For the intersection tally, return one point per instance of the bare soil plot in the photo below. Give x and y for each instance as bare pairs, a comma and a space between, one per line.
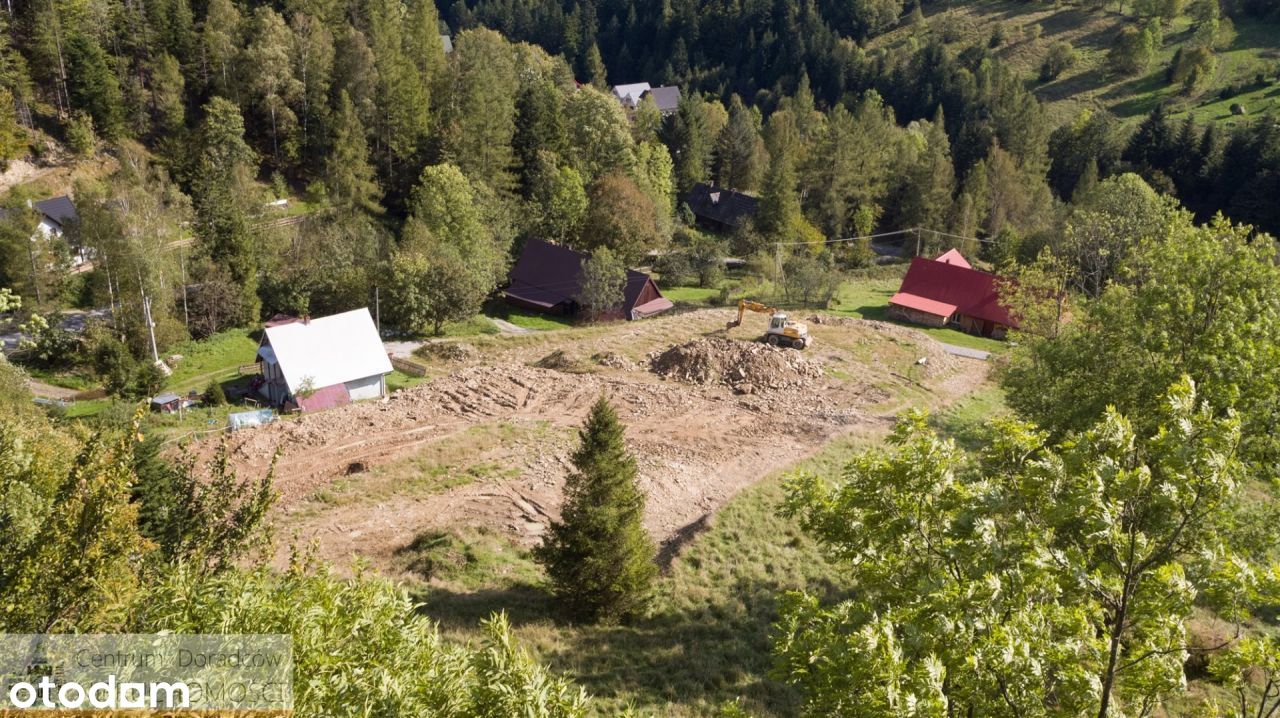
487, 443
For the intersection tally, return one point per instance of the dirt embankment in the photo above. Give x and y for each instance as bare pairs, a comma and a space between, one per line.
705, 416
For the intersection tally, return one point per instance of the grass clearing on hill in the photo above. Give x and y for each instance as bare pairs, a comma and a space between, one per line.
1088, 84
216, 357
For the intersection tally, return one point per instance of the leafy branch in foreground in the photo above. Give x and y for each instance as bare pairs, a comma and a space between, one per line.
1034, 580
203, 515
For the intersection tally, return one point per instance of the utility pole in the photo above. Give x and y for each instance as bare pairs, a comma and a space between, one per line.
151, 326
917, 241
377, 310
777, 266
35, 277
182, 262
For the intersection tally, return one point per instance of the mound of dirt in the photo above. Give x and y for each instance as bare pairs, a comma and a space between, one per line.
613, 360
446, 351
747, 366
560, 360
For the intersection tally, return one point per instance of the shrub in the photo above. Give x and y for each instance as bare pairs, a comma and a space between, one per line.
674, 267
1132, 51
998, 36
79, 134
47, 345
361, 645
214, 394
1060, 58
809, 279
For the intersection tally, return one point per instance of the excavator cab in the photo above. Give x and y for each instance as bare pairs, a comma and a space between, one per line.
781, 332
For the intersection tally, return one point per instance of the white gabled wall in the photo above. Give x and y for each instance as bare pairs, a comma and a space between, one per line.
369, 387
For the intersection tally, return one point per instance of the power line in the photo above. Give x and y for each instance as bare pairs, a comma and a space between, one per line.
847, 239
913, 230
917, 231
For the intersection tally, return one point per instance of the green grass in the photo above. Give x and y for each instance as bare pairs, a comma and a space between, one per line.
1088, 85
80, 380
195, 419
965, 420
691, 296
468, 558
525, 318
869, 299
216, 357
705, 642
398, 380
475, 326
86, 409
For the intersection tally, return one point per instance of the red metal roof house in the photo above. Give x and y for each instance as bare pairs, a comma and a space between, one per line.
947, 290
545, 279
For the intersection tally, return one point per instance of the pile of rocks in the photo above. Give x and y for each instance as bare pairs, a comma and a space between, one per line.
560, 360
745, 366
614, 360
446, 351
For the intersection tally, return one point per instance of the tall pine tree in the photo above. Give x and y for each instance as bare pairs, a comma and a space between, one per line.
598, 556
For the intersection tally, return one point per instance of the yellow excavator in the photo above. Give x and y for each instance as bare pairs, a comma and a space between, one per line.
781, 331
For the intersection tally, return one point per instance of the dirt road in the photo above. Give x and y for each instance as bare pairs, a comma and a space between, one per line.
487, 444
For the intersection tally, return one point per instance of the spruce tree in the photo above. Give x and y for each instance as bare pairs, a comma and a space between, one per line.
598, 556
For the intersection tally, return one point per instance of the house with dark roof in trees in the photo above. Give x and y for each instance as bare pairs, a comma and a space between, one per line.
53, 217
667, 98
546, 279
947, 291
719, 208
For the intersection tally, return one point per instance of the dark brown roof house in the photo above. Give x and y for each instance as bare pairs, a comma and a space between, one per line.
545, 279
720, 208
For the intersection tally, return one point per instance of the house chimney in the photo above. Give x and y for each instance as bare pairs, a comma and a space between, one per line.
715, 198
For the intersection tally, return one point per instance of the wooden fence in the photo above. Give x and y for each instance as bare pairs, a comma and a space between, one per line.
408, 367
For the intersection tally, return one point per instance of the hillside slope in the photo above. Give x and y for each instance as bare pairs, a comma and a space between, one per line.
1254, 50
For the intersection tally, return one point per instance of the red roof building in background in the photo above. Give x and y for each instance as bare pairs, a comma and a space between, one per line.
953, 256
948, 291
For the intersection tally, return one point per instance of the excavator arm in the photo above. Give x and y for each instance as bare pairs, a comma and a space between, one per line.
746, 304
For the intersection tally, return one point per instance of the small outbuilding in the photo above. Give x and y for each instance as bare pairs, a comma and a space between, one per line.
166, 403
947, 291
718, 208
546, 279
314, 364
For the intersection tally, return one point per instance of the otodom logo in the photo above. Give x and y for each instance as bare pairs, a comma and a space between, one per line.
165, 674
